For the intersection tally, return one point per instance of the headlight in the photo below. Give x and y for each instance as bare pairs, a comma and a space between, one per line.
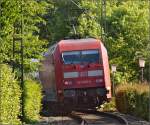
68, 82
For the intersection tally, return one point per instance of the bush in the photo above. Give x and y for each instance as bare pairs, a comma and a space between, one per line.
10, 94
32, 101
133, 99
108, 106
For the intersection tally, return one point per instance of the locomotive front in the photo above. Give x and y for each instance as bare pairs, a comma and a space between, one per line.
82, 72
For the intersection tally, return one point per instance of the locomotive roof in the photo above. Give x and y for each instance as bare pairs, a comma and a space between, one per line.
76, 44
87, 40
73, 43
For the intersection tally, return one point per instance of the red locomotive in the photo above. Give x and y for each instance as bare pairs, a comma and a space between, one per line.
75, 72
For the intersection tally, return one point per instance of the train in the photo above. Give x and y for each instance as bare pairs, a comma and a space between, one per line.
75, 73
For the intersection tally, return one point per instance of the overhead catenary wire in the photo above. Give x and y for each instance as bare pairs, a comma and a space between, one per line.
103, 17
81, 9
74, 29
73, 25
76, 4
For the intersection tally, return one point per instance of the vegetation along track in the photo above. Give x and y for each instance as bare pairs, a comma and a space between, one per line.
93, 117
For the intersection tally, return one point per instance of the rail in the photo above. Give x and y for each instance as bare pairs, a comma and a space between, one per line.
75, 115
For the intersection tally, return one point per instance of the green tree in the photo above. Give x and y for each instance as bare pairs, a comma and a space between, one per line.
126, 32
128, 36
60, 17
89, 21
33, 45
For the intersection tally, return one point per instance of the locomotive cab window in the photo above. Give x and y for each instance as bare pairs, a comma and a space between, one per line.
84, 56
72, 57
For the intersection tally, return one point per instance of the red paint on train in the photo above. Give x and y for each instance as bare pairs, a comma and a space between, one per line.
81, 70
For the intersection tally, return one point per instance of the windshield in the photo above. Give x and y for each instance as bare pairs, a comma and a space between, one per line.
76, 57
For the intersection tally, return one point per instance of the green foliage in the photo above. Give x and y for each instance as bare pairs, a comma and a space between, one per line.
108, 106
32, 101
89, 21
60, 14
33, 45
63, 14
126, 33
128, 36
10, 94
132, 100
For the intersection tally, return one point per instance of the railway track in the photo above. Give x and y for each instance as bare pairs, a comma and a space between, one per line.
93, 117
85, 117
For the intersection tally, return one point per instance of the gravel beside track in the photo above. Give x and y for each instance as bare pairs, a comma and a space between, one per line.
58, 120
